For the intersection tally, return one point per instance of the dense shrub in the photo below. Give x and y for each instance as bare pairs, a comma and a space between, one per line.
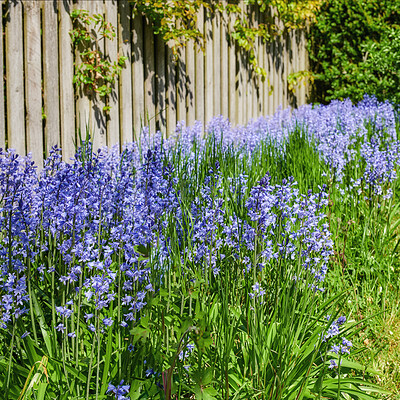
355, 49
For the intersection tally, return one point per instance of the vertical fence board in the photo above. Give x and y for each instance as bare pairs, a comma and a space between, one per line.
97, 103
2, 109
302, 57
274, 77
83, 106
50, 76
280, 57
199, 71
239, 87
287, 49
33, 77
252, 101
268, 98
181, 91
208, 70
284, 71
231, 75
224, 65
160, 85
261, 48
111, 51
15, 79
190, 84
137, 74
149, 78
66, 69
171, 91
216, 27
125, 81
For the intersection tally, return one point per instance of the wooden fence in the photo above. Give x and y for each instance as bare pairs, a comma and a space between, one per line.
40, 107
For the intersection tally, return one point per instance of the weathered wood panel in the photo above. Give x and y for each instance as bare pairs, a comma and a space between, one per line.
181, 91
161, 82
66, 68
199, 71
111, 51
33, 76
2, 105
154, 86
83, 106
224, 65
149, 79
15, 79
125, 81
51, 93
231, 74
190, 85
138, 74
171, 99
98, 117
216, 70
208, 69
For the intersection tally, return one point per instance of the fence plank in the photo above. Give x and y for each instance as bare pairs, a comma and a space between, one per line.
190, 84
208, 69
83, 107
67, 112
257, 80
216, 27
181, 86
160, 85
138, 74
97, 103
302, 56
149, 78
171, 91
199, 71
224, 64
50, 76
111, 51
125, 81
268, 97
15, 79
232, 75
286, 70
33, 76
239, 86
2, 109
261, 46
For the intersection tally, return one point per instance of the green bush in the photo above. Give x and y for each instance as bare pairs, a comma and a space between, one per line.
354, 48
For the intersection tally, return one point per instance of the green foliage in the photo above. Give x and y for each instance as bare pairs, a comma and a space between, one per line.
95, 72
175, 21
354, 47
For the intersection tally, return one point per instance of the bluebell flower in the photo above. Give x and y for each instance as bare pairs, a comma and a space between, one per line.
119, 391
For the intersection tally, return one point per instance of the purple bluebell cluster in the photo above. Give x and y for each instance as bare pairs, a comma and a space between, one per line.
91, 233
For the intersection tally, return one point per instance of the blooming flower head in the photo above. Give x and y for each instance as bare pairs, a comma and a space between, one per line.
119, 391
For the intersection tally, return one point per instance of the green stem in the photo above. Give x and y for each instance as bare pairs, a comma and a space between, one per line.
10, 361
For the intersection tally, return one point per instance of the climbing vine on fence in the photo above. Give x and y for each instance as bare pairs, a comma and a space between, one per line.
95, 72
176, 20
